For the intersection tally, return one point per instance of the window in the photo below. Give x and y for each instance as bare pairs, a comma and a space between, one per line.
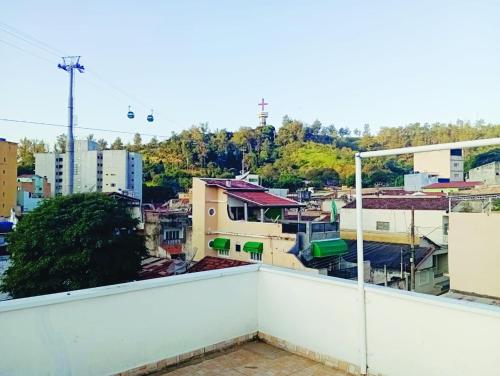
237, 247
211, 212
383, 226
256, 256
223, 252
113, 184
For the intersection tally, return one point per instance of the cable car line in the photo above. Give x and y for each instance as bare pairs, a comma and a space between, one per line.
79, 127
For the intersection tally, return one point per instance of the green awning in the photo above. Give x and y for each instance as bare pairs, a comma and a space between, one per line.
333, 247
220, 244
253, 247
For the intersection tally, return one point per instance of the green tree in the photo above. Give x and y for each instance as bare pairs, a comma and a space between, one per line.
117, 144
61, 142
73, 242
26, 150
102, 144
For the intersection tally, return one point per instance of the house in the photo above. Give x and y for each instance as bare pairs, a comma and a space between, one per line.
488, 174
168, 229
243, 221
451, 187
8, 173
415, 182
445, 164
389, 219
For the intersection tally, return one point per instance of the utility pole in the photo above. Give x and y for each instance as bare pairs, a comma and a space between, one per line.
412, 247
70, 63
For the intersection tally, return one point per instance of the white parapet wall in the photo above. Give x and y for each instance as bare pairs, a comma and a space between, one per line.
108, 330
117, 328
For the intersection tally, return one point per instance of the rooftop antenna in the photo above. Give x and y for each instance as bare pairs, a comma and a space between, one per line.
70, 63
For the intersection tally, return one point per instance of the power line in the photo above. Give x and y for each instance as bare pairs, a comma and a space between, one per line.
85, 128
26, 51
22, 35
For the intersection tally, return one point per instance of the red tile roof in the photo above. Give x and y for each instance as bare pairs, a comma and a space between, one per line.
173, 249
154, 267
403, 203
234, 184
264, 199
454, 184
213, 263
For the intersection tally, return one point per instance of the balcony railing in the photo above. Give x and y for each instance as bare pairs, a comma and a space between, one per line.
144, 326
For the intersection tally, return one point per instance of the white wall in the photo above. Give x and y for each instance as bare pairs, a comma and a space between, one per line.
111, 329
428, 223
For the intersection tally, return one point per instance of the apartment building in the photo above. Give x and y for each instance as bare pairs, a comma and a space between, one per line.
8, 174
445, 164
94, 170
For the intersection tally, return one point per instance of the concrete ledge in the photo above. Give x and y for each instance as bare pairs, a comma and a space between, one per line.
175, 361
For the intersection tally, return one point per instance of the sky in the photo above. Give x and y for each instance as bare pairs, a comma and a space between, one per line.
348, 63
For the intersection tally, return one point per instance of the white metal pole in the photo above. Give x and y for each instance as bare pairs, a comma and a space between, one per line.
360, 265
435, 147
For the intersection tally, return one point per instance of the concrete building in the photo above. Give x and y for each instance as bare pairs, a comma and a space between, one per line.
95, 170
474, 247
451, 187
415, 182
168, 230
389, 219
445, 164
488, 174
31, 191
240, 220
8, 174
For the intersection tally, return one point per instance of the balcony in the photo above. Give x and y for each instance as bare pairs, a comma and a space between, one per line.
205, 320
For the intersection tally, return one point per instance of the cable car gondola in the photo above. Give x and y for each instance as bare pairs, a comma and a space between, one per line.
130, 113
150, 117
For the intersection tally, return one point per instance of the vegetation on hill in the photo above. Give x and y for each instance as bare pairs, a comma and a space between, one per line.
291, 155
70, 243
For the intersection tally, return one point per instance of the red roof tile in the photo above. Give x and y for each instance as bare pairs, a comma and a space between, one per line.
264, 199
214, 263
402, 203
454, 184
154, 267
234, 184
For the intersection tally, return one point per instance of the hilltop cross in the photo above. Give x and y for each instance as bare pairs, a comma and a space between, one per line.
262, 104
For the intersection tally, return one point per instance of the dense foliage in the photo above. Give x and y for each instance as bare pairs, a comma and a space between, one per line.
73, 242
293, 155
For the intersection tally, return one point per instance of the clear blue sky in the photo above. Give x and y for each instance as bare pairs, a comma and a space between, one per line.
386, 63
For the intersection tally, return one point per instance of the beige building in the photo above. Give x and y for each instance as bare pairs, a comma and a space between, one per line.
474, 253
388, 219
445, 164
242, 221
8, 177
488, 173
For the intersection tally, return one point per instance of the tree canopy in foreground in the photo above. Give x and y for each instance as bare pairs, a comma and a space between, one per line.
73, 242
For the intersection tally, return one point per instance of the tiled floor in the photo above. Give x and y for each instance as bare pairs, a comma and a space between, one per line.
254, 358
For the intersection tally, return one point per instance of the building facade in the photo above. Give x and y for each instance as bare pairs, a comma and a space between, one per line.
95, 170
242, 221
445, 164
389, 219
31, 191
474, 252
488, 174
8, 174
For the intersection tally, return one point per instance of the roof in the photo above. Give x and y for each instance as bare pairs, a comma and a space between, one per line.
213, 263
264, 199
173, 249
402, 203
233, 184
155, 267
380, 254
453, 184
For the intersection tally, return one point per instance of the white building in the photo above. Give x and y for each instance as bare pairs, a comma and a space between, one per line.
95, 170
415, 182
